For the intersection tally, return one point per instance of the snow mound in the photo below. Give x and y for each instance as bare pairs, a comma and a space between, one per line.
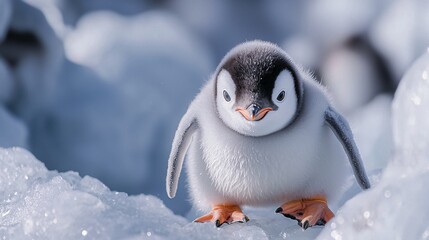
411, 114
41, 204
400, 199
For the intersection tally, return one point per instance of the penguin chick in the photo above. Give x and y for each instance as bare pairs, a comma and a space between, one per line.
263, 132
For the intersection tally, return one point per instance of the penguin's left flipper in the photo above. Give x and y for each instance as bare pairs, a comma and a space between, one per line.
341, 128
182, 139
308, 212
221, 214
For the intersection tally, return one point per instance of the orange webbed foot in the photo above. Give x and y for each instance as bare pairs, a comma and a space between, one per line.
221, 214
308, 212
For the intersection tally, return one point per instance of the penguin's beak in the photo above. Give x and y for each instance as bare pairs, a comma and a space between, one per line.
254, 112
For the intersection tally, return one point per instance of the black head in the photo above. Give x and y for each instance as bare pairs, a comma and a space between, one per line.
253, 81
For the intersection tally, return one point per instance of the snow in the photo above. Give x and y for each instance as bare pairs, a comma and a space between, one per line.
41, 204
410, 113
396, 208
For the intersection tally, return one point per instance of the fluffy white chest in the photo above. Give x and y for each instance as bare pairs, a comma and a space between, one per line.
258, 170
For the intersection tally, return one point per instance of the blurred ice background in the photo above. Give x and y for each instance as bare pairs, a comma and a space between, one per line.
98, 87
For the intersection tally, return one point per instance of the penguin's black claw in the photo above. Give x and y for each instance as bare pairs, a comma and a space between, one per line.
279, 210
305, 225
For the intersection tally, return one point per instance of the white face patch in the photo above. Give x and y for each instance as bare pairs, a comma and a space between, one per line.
225, 94
283, 96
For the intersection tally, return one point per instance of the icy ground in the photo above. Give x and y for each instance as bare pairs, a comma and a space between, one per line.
41, 204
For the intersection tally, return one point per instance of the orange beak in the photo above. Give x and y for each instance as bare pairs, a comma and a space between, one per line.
253, 114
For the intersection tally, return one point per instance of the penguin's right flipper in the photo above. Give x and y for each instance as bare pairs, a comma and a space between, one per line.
344, 134
182, 139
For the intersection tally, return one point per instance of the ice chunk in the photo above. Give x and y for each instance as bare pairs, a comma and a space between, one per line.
396, 208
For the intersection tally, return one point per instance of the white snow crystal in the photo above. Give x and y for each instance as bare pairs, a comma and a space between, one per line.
396, 208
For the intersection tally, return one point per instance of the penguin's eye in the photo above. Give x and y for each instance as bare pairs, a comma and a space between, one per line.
281, 96
226, 96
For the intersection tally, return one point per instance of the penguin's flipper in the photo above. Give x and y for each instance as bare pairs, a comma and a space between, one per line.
341, 128
182, 139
